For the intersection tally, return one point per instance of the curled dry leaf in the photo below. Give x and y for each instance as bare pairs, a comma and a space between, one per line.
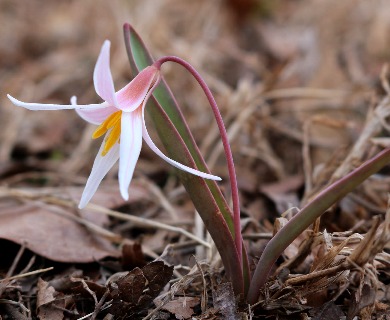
137, 289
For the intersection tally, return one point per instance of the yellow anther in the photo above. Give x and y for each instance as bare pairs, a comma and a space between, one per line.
112, 138
99, 131
112, 122
107, 124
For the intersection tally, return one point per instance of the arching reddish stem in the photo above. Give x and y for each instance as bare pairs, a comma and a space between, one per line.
225, 142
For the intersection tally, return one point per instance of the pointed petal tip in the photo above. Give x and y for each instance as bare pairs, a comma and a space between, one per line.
81, 205
83, 201
102, 77
124, 193
107, 43
13, 100
19, 103
174, 163
201, 174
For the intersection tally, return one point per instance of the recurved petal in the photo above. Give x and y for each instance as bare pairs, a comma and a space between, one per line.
130, 148
174, 163
102, 78
44, 106
94, 116
100, 168
132, 95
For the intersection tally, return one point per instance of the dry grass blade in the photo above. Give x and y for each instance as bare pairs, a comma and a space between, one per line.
27, 274
364, 252
19, 304
373, 243
371, 128
146, 223
204, 290
315, 275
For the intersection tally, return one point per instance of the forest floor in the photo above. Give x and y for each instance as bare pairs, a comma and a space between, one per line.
304, 93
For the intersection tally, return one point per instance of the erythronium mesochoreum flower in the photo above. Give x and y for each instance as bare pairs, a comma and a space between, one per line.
121, 119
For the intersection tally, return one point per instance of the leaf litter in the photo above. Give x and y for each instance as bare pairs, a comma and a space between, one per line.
305, 97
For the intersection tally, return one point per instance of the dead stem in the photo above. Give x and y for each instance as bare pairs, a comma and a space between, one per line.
371, 128
145, 223
16, 261
19, 304
27, 274
99, 305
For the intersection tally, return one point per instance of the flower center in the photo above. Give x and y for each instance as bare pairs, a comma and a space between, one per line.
112, 122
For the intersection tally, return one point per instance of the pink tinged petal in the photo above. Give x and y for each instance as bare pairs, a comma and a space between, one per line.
102, 78
132, 95
174, 163
100, 168
130, 148
42, 106
96, 116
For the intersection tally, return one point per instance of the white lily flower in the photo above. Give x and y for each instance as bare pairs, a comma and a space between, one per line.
121, 119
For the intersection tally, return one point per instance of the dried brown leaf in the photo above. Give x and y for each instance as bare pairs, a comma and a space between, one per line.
56, 237
126, 293
45, 293
362, 298
158, 274
134, 291
51, 230
50, 314
182, 307
86, 289
47, 304
132, 256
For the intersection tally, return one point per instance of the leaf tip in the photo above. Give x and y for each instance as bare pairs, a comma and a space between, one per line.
126, 26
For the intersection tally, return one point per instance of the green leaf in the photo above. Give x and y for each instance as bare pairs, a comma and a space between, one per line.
180, 145
308, 214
